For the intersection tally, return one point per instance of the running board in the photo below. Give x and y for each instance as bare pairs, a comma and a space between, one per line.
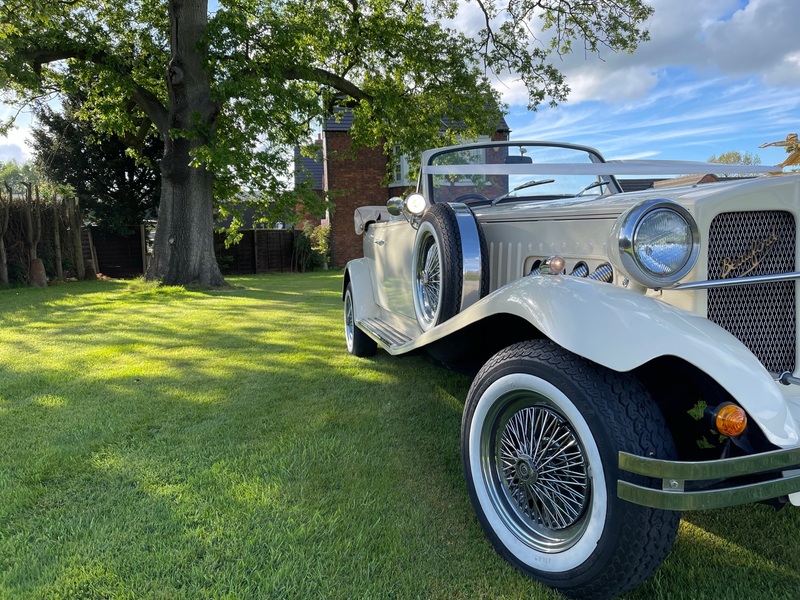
384, 333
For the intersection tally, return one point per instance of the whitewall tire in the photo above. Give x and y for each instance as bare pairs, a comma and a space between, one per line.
541, 433
358, 342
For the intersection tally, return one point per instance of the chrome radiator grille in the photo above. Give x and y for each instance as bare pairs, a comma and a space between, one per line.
762, 316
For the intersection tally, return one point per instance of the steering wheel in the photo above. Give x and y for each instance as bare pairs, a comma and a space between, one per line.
472, 196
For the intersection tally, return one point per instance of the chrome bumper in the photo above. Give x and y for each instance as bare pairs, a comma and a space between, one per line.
674, 476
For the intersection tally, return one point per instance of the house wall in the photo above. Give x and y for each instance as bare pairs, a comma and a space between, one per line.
357, 178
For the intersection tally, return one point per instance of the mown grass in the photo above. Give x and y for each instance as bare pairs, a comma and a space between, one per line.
171, 443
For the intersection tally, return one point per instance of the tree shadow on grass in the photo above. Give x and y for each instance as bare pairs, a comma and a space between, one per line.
246, 453
331, 484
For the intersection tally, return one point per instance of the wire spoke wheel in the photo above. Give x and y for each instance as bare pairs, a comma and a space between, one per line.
428, 280
537, 469
358, 343
349, 321
443, 281
540, 438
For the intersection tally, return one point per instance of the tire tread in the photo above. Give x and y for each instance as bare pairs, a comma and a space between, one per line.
443, 217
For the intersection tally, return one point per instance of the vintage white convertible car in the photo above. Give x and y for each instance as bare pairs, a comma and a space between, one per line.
636, 352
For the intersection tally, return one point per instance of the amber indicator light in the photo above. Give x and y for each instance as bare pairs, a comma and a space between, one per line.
731, 420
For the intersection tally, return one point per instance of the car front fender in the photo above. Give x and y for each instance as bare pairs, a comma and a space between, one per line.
623, 329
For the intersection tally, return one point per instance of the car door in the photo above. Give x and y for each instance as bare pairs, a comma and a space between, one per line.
392, 248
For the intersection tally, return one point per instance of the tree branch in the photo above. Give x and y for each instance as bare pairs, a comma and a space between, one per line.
144, 98
322, 76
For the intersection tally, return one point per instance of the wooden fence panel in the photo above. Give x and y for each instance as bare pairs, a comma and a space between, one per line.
118, 256
274, 250
259, 251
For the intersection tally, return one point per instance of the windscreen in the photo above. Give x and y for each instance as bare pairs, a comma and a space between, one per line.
485, 174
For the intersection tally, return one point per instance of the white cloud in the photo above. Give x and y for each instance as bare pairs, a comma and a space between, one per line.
512, 91
619, 85
683, 118
757, 38
15, 145
469, 18
785, 73
712, 38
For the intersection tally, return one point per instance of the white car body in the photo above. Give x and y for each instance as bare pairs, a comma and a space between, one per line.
623, 319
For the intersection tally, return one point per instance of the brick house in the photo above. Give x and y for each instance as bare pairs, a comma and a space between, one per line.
357, 180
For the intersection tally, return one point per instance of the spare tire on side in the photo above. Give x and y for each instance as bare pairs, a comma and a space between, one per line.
450, 264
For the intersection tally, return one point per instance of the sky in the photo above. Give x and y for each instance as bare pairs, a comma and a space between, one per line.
716, 76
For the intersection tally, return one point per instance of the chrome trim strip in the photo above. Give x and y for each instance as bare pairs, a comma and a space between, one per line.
487, 218
704, 500
674, 475
710, 469
470, 254
720, 283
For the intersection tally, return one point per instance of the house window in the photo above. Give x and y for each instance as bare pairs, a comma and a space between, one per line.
400, 166
399, 169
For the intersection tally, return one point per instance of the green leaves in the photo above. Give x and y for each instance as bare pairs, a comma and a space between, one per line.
277, 69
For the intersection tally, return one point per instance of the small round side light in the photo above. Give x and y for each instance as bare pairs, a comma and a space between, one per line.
730, 420
415, 204
554, 265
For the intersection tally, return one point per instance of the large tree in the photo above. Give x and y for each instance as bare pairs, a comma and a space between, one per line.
228, 91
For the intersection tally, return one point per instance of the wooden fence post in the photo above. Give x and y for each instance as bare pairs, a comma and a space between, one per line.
5, 211
255, 250
73, 217
57, 237
143, 236
93, 252
33, 234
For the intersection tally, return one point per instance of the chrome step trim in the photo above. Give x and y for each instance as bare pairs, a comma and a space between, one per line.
382, 332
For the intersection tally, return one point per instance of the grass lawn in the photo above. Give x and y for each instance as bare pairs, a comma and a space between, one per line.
165, 443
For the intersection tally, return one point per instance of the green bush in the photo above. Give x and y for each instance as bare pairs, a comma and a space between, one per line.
312, 248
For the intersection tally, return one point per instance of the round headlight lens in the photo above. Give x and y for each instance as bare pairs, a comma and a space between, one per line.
658, 243
662, 243
415, 204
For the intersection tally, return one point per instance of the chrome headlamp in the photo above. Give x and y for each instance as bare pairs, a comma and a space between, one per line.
658, 243
414, 204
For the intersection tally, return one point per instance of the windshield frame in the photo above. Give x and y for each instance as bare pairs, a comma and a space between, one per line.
426, 185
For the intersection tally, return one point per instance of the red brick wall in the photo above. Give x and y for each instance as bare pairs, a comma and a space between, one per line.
304, 218
356, 180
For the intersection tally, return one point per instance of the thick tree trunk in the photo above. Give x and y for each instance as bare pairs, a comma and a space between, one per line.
183, 249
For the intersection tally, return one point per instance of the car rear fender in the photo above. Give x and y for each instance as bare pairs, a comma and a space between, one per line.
357, 273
